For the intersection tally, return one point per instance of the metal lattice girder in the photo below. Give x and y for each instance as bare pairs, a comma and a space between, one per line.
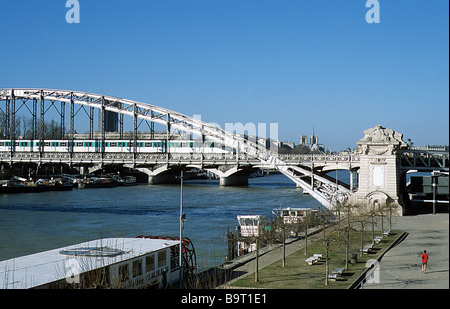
425, 160
144, 111
187, 124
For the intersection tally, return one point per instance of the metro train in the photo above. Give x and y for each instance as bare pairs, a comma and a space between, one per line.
94, 145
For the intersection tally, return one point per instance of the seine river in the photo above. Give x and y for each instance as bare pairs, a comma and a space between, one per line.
34, 222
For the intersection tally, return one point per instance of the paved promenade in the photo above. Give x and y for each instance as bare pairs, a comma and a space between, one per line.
400, 268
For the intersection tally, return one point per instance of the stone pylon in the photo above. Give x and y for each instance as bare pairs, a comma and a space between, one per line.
379, 176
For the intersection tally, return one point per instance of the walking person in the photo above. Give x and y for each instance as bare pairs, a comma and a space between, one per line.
424, 258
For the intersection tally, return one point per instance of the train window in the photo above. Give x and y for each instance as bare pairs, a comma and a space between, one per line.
55, 144
123, 273
157, 144
191, 144
2, 144
148, 145
137, 268
112, 144
88, 144
46, 144
161, 258
63, 144
150, 263
79, 144
16, 144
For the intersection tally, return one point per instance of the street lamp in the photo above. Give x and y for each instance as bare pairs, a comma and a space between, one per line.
182, 219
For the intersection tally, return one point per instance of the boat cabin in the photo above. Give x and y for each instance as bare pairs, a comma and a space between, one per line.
248, 229
293, 215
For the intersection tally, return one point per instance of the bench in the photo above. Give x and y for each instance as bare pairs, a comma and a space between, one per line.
378, 239
386, 232
337, 274
339, 271
313, 259
367, 248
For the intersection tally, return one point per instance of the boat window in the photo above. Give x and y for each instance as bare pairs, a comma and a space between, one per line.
137, 268
149, 263
161, 258
248, 221
123, 273
174, 257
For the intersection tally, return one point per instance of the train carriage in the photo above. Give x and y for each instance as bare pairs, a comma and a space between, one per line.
115, 146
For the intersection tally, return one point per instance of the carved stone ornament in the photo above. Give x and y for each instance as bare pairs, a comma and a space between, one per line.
380, 140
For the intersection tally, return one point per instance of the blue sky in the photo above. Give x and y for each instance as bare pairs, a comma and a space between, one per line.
299, 63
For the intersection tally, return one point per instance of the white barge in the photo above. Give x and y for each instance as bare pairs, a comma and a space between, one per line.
249, 229
108, 262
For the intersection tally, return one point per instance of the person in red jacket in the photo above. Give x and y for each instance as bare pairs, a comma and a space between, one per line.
424, 258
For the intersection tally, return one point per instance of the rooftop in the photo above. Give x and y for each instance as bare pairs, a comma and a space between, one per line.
52, 265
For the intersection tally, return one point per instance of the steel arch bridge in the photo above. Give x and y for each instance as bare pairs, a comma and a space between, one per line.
323, 189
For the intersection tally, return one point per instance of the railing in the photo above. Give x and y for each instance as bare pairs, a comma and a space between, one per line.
343, 157
431, 148
159, 157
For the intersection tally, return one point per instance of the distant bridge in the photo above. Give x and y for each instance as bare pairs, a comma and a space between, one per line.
382, 157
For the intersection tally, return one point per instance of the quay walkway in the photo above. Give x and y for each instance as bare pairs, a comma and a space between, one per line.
400, 266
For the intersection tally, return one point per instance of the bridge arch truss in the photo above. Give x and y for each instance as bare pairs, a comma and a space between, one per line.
322, 189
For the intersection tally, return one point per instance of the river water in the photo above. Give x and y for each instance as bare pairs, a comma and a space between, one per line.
34, 222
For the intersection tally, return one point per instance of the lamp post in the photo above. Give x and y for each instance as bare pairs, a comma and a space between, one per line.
434, 176
182, 218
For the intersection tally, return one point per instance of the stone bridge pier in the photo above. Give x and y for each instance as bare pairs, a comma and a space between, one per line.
379, 173
169, 174
234, 175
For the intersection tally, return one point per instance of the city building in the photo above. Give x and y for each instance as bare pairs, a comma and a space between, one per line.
303, 140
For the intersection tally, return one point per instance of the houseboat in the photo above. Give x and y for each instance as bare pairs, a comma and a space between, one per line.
108, 262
